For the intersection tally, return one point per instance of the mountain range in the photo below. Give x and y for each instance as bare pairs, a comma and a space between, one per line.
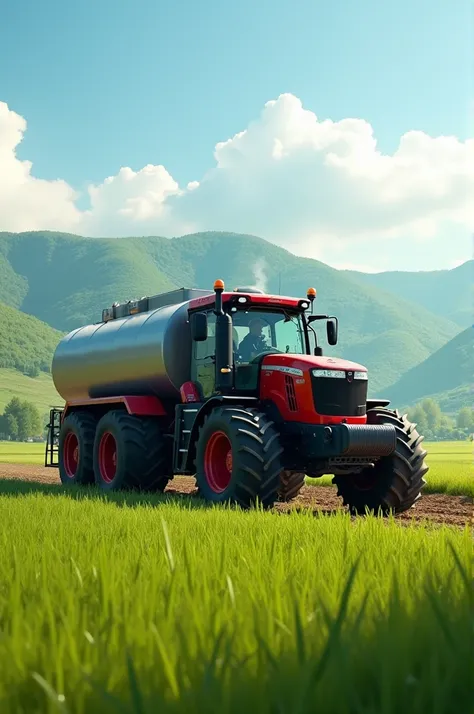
447, 293
446, 376
391, 322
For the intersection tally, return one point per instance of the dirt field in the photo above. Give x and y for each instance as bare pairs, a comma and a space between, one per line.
438, 508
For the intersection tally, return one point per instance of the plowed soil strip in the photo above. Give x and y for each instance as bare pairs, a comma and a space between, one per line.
438, 508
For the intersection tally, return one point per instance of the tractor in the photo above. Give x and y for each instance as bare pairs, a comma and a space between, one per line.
230, 387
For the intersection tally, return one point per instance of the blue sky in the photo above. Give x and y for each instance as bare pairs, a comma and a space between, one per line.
107, 84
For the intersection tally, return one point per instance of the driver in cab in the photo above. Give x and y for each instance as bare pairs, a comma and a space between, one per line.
254, 342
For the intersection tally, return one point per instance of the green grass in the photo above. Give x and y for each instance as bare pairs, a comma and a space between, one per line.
110, 605
12, 452
39, 390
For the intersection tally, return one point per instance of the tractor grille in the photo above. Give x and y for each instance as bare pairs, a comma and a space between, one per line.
339, 397
290, 393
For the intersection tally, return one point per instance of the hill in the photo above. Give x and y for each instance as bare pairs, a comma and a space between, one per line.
38, 390
446, 376
26, 349
26, 343
448, 293
66, 280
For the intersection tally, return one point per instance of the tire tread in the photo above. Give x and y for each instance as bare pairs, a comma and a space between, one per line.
408, 470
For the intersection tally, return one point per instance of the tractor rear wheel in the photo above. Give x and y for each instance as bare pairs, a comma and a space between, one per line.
396, 481
291, 483
76, 444
130, 453
238, 458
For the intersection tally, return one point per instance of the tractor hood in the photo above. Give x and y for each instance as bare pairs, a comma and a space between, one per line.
299, 364
314, 389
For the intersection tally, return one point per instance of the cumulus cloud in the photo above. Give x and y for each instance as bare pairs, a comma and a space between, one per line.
26, 202
131, 198
290, 177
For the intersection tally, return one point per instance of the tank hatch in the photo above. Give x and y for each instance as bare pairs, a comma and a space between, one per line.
147, 304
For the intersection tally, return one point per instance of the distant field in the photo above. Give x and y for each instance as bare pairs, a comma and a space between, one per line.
451, 465
40, 390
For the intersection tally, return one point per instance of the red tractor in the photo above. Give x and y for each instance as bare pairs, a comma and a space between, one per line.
233, 388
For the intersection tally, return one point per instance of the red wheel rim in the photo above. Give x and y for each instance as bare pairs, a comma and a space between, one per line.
107, 457
71, 454
218, 462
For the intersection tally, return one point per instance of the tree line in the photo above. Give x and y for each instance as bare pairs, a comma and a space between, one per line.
434, 425
21, 420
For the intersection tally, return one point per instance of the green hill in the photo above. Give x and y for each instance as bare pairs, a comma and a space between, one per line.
66, 280
26, 349
38, 390
446, 376
449, 293
26, 344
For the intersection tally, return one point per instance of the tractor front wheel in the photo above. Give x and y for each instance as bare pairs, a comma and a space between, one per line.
130, 453
395, 483
238, 458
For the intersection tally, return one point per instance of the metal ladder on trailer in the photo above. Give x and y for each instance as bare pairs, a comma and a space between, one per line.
51, 456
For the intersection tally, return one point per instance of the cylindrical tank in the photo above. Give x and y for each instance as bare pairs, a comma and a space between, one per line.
144, 354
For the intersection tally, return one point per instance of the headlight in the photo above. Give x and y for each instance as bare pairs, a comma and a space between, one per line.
335, 373
338, 374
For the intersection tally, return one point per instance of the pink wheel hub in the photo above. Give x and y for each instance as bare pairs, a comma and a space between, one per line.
218, 462
108, 457
71, 454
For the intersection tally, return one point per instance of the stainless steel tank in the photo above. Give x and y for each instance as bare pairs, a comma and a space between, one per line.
148, 353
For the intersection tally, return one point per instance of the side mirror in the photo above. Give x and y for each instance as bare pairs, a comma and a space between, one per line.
199, 327
331, 329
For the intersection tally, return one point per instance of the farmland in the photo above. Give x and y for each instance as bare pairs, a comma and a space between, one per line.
137, 604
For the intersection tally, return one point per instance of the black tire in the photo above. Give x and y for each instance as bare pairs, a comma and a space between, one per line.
142, 456
291, 483
396, 481
255, 449
77, 433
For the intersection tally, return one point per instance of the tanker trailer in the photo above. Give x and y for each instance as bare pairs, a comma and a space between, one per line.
232, 388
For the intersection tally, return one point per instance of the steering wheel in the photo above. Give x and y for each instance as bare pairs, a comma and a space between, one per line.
269, 350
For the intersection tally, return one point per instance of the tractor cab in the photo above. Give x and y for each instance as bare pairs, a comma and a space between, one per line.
253, 326
256, 331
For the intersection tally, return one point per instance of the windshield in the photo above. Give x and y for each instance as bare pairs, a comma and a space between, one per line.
255, 331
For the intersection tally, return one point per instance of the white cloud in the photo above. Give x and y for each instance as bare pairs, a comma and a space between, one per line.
317, 187
130, 198
26, 202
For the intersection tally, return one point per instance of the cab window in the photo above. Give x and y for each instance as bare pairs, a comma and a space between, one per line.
203, 365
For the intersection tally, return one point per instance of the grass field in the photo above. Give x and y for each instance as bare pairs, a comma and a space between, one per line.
113, 606
451, 464
39, 390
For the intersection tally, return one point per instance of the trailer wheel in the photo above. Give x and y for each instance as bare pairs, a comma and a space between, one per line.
396, 481
291, 483
238, 458
76, 445
130, 453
